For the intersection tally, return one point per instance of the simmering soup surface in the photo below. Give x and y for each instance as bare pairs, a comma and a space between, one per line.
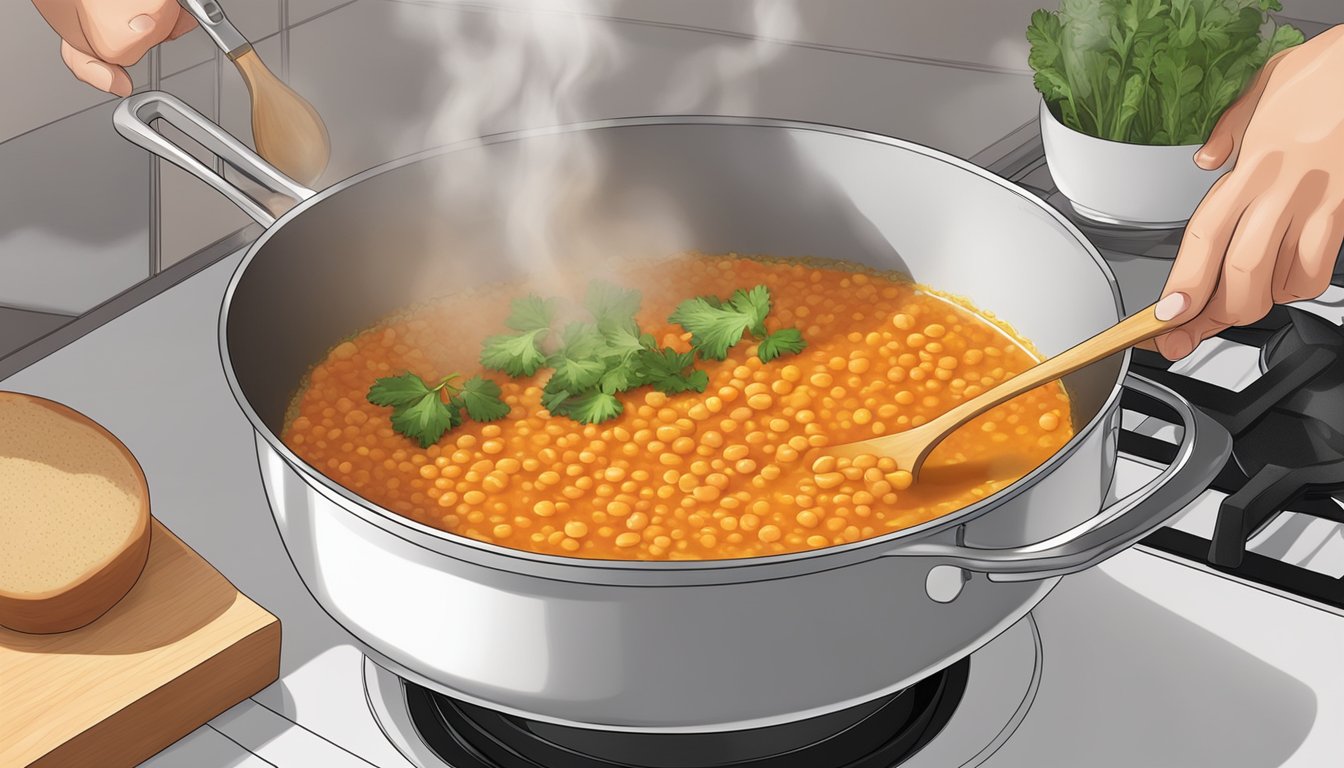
721, 474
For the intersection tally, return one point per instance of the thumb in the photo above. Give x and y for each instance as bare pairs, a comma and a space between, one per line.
123, 32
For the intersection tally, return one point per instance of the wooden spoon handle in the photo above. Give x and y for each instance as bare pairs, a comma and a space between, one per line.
1141, 326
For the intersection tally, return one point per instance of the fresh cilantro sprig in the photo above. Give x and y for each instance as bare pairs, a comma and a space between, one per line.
716, 326
785, 341
669, 371
594, 360
423, 413
520, 353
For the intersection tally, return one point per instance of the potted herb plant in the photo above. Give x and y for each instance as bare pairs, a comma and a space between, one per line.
1131, 89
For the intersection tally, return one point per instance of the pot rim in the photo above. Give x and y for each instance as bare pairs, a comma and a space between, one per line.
877, 546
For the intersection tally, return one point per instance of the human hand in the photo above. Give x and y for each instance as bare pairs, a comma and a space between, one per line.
100, 38
1269, 231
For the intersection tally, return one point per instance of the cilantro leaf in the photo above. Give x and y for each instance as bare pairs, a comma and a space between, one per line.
617, 379
665, 370
554, 399
581, 341
575, 374
713, 329
785, 341
612, 304
591, 407
426, 420
516, 354
531, 313
620, 340
481, 398
755, 304
398, 390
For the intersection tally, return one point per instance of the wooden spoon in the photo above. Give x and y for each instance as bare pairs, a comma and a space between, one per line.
911, 447
286, 130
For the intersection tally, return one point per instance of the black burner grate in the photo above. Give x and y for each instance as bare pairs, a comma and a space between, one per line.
879, 734
1288, 446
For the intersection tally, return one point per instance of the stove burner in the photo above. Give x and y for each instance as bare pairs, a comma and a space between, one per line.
1288, 425
879, 734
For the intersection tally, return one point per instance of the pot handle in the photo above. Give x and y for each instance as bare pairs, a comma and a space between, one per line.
133, 119
1202, 453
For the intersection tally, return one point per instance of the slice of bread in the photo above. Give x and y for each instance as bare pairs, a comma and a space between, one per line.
74, 517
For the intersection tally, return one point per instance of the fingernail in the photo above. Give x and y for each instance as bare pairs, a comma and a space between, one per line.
1171, 306
141, 23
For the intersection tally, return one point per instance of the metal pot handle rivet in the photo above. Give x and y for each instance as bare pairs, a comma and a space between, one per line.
944, 583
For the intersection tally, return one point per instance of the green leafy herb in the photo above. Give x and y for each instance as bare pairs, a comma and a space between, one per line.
398, 390
1150, 71
716, 326
753, 304
714, 329
517, 354
597, 359
785, 341
592, 407
666, 370
611, 305
481, 399
531, 313
423, 413
426, 419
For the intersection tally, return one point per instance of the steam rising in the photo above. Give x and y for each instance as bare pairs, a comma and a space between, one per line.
548, 63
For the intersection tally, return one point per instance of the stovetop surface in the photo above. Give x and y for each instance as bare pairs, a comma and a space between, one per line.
1145, 660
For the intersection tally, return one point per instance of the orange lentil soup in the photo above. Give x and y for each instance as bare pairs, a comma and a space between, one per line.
723, 474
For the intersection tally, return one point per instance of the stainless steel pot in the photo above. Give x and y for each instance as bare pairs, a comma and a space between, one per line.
682, 646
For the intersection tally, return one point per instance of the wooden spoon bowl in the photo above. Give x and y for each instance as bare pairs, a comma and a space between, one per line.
286, 130
911, 447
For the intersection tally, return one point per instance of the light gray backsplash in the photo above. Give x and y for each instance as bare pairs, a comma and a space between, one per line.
191, 214
379, 100
254, 18
74, 214
75, 199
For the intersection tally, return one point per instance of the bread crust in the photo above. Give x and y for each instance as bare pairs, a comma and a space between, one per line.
83, 600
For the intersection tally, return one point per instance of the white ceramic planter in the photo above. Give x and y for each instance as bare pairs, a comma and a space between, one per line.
1134, 185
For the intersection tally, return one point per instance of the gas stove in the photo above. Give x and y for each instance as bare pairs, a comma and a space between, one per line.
1215, 641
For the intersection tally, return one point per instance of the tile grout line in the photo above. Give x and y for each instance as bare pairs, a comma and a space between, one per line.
284, 40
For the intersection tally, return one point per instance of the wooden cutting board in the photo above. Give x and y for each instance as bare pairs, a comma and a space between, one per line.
183, 646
